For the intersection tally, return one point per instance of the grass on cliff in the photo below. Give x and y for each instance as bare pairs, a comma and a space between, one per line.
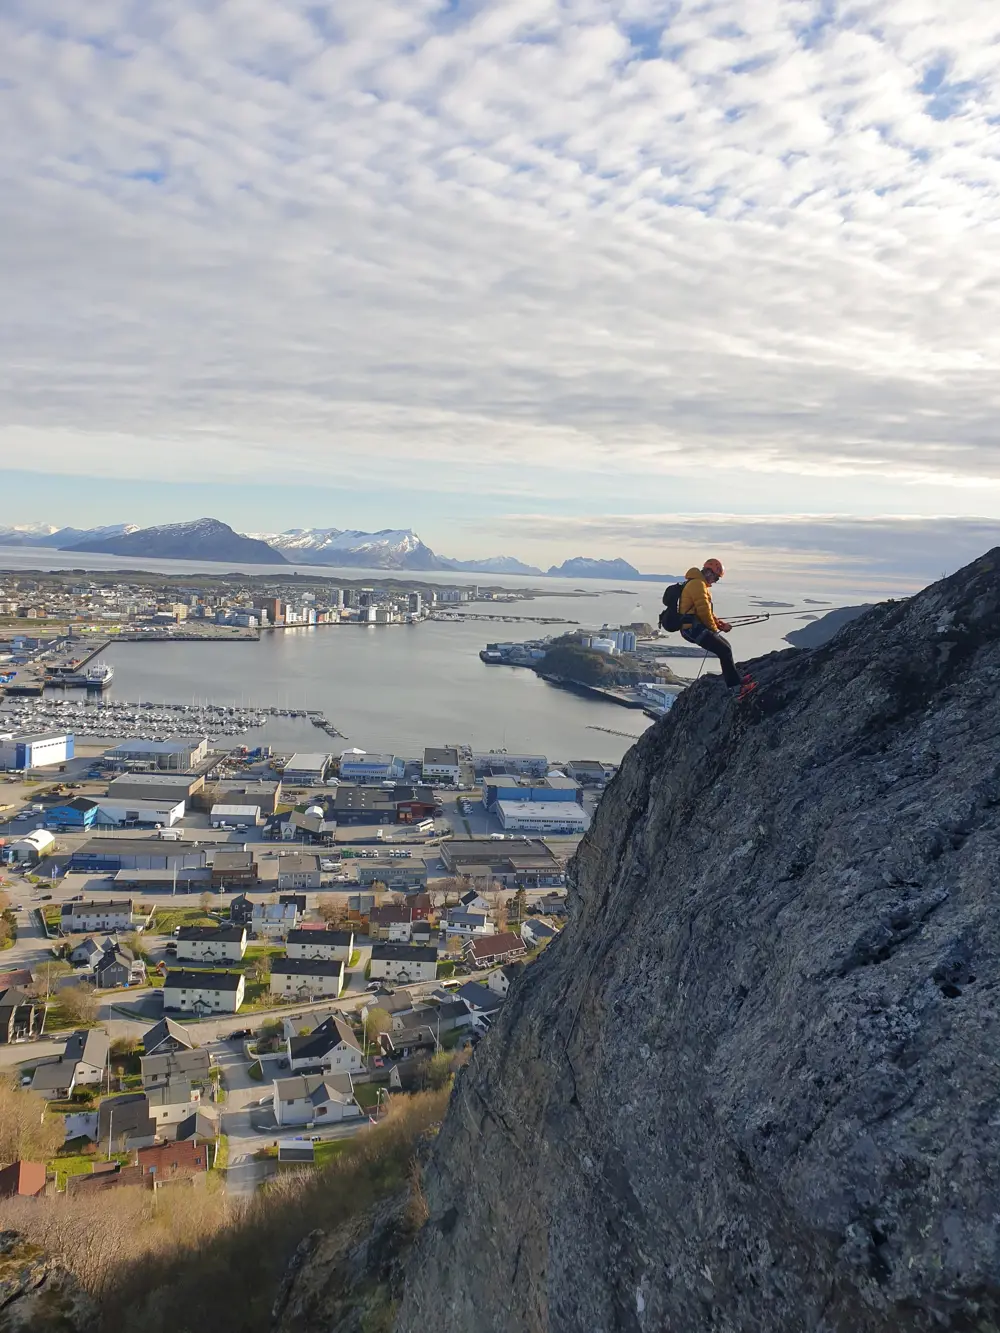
185, 1260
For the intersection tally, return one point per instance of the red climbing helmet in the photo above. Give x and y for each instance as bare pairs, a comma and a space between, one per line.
715, 567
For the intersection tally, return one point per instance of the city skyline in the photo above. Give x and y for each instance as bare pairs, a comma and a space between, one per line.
601, 278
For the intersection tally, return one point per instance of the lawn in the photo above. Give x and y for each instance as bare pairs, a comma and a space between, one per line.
355, 959
78, 1164
167, 918
53, 916
330, 1150
366, 1095
256, 1072
57, 1020
221, 1154
446, 969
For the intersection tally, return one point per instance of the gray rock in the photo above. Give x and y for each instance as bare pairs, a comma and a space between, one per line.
753, 1086
38, 1294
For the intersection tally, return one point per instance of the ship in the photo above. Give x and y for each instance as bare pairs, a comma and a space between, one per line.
97, 677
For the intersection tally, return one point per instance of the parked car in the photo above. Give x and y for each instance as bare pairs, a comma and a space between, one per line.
282, 1064
378, 1062
46, 897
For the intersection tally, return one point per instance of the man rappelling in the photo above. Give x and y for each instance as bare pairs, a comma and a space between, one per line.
695, 617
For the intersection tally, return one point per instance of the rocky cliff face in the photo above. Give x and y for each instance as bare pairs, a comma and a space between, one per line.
38, 1294
755, 1084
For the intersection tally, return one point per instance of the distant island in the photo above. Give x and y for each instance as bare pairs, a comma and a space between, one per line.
201, 539
822, 630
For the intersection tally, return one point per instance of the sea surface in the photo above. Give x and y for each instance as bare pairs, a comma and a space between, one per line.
400, 687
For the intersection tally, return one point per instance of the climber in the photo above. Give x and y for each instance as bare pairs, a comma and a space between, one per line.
700, 625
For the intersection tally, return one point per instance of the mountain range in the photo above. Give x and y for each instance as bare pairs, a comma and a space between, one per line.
211, 539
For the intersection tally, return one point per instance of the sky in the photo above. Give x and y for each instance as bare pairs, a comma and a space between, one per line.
539, 277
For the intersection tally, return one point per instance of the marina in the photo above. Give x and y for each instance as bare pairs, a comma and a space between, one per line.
124, 719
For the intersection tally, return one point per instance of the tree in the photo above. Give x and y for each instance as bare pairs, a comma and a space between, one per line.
78, 1003
498, 911
27, 1131
334, 912
377, 1022
450, 890
134, 942
260, 967
47, 974
454, 944
520, 906
206, 901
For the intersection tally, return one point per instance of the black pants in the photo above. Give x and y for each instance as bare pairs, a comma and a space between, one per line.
714, 643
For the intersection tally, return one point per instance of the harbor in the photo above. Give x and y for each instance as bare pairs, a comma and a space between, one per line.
128, 720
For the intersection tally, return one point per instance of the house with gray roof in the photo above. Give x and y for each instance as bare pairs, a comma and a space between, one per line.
315, 1099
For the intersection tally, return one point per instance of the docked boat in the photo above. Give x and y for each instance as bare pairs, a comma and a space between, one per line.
97, 677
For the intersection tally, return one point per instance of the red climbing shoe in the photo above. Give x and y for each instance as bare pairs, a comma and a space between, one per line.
746, 689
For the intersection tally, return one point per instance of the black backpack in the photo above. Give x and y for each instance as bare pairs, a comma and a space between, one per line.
670, 616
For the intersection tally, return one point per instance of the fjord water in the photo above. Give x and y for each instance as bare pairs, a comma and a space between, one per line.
403, 687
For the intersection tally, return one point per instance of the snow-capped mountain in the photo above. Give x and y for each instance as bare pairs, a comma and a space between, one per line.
201, 539
390, 548
48, 534
26, 534
493, 564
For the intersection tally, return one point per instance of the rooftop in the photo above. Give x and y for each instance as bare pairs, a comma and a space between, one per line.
306, 967
223, 934
308, 762
443, 754
403, 952
191, 979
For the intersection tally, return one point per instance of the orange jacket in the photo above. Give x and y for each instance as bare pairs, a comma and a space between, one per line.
696, 600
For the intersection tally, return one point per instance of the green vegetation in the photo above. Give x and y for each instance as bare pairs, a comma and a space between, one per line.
331, 1149
167, 919
256, 1072
355, 959
446, 968
367, 1095
78, 1164
221, 1153
53, 916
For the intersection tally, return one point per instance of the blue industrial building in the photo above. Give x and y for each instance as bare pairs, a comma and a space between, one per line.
80, 813
556, 787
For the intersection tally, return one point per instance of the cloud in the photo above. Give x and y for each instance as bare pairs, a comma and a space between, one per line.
505, 246
885, 552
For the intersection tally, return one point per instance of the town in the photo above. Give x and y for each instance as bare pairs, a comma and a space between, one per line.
224, 961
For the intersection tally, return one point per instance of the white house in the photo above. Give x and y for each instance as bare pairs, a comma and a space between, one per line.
300, 978
500, 980
466, 924
536, 933
441, 764
337, 945
211, 944
331, 1047
83, 1063
298, 870
172, 1101
314, 1099
96, 915
273, 920
403, 962
203, 992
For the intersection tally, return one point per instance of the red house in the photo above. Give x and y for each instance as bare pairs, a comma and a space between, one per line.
24, 1178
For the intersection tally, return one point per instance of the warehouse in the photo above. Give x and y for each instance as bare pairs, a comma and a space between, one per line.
556, 787
542, 817
132, 814
79, 813
235, 816
307, 768
499, 761
175, 755
265, 795
381, 805
35, 750
108, 855
29, 849
527, 863
357, 766
158, 788
197, 879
